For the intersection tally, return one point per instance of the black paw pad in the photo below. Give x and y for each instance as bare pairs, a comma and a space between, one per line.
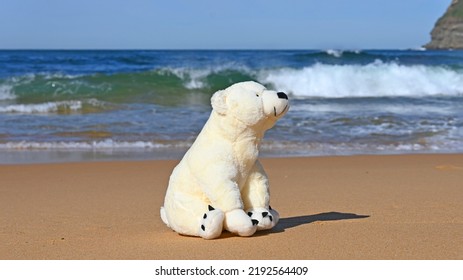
250, 214
203, 227
205, 216
254, 222
264, 214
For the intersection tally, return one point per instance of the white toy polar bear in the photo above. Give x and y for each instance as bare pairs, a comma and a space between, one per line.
219, 184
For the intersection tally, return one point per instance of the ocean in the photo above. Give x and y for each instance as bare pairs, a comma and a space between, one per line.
88, 105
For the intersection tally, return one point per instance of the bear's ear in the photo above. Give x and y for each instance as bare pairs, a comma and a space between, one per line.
219, 103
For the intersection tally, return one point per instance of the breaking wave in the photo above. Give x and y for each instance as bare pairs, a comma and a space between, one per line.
373, 80
377, 79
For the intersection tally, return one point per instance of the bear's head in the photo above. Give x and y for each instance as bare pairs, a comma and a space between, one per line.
251, 103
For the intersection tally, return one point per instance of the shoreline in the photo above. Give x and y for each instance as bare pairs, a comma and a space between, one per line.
331, 207
27, 157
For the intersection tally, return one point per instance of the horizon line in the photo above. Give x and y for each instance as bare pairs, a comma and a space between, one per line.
217, 49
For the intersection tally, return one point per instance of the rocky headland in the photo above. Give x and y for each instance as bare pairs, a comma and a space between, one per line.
448, 30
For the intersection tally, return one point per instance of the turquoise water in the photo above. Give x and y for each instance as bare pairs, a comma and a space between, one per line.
87, 105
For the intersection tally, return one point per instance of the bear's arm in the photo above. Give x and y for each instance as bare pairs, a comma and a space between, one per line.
255, 192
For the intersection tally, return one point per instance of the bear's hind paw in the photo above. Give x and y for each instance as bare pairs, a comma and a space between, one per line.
237, 222
211, 224
267, 218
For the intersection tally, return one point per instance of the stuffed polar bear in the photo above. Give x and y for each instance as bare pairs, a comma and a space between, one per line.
219, 184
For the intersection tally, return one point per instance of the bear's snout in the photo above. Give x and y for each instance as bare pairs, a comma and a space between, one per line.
276, 104
282, 95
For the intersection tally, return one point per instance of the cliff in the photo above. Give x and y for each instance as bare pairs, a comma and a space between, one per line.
448, 30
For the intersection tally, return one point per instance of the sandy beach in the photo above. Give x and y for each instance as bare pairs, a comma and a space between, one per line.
353, 207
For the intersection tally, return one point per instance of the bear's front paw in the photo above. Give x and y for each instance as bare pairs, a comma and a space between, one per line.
236, 221
267, 218
211, 223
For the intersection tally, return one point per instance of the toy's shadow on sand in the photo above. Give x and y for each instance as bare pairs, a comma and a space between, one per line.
290, 222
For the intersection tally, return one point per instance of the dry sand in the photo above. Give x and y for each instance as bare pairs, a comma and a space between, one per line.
356, 207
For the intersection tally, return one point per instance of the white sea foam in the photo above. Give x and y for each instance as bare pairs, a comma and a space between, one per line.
51, 107
418, 49
339, 53
375, 79
314, 148
6, 92
48, 107
196, 78
335, 53
107, 144
193, 78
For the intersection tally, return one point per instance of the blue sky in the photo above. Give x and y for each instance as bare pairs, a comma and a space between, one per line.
216, 24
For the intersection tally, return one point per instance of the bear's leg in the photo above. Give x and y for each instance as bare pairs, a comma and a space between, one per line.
256, 199
191, 216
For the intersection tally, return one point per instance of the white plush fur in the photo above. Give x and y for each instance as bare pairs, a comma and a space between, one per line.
219, 184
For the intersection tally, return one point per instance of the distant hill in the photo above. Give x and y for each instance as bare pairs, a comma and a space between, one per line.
448, 30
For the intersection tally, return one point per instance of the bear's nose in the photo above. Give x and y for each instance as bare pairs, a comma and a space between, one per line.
282, 95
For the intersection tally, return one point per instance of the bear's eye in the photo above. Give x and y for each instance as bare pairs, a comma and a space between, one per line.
257, 95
